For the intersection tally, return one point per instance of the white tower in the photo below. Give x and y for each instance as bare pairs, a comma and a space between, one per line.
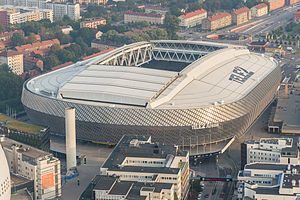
70, 137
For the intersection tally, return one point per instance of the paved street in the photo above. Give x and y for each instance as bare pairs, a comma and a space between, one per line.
96, 155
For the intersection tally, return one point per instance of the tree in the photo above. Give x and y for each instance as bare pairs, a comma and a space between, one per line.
76, 49
31, 38
51, 61
172, 26
5, 68
175, 196
2, 28
17, 39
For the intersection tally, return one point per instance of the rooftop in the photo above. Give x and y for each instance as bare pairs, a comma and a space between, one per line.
194, 13
19, 125
24, 149
241, 10
144, 14
261, 5
219, 16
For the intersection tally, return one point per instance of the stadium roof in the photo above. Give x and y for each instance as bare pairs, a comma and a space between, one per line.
211, 80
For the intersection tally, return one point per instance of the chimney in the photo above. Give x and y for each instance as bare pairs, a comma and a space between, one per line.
70, 137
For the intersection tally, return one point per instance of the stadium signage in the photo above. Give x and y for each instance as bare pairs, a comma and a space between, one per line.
240, 75
203, 126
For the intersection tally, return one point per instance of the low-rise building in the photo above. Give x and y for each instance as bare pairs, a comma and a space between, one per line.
7, 35
296, 16
37, 46
269, 181
259, 10
291, 2
138, 159
34, 164
241, 15
31, 62
270, 150
275, 4
151, 18
14, 60
93, 23
31, 134
192, 19
66, 29
156, 9
217, 21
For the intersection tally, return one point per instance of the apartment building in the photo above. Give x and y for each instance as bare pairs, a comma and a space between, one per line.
192, 19
86, 2
139, 160
259, 10
92, 23
156, 9
17, 15
269, 181
270, 150
36, 165
151, 18
14, 60
217, 21
241, 15
60, 9
275, 4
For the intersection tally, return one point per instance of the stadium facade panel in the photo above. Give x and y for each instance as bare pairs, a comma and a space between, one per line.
188, 124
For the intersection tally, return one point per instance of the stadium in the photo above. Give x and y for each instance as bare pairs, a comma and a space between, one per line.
195, 94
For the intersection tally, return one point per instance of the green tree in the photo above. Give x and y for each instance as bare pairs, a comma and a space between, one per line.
17, 39
5, 68
51, 61
76, 49
172, 26
31, 38
175, 196
2, 28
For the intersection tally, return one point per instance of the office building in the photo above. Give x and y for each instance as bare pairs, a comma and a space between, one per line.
217, 21
270, 150
138, 159
269, 181
259, 10
192, 19
34, 164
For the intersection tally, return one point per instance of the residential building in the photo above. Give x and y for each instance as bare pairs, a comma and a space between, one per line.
60, 9
259, 10
192, 19
296, 16
270, 150
151, 18
93, 23
291, 2
269, 181
138, 159
156, 9
66, 29
241, 15
31, 62
86, 2
275, 4
7, 35
217, 21
14, 60
34, 164
110, 187
17, 15
28, 48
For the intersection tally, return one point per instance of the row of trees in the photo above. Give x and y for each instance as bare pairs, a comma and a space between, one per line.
10, 89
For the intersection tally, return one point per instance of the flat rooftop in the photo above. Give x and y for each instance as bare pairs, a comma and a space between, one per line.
222, 76
19, 125
24, 149
288, 112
